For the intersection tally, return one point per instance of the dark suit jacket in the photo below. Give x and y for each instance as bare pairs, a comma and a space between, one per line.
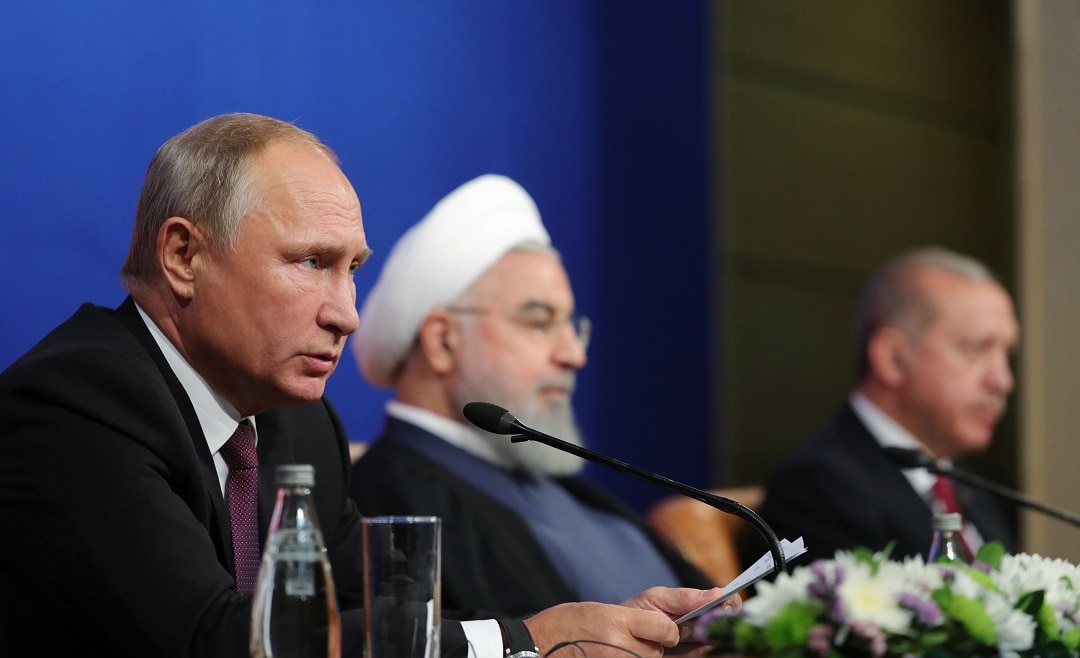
840, 491
490, 559
116, 537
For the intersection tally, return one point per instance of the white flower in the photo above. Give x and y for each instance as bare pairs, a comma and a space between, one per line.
874, 598
1022, 574
1015, 629
964, 585
921, 577
858, 602
772, 597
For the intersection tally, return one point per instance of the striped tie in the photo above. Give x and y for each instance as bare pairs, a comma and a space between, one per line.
242, 492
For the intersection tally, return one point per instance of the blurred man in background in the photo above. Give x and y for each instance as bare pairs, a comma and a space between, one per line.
934, 335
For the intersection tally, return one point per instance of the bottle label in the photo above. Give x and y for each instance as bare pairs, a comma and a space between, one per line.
300, 573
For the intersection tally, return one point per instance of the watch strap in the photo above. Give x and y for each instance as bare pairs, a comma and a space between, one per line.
519, 642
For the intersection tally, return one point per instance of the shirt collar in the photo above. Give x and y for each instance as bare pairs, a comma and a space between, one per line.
889, 433
217, 417
458, 434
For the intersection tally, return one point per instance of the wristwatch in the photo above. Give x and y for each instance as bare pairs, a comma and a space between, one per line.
519, 643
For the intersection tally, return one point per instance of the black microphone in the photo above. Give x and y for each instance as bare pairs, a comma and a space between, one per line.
905, 458
497, 420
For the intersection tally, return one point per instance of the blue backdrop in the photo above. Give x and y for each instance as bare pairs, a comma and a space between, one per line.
597, 107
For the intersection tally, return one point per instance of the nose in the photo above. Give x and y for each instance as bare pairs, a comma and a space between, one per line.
569, 349
338, 312
1000, 375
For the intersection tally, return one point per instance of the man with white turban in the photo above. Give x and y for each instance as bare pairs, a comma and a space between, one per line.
473, 304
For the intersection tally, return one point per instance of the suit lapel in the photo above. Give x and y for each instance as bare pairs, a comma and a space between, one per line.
128, 315
980, 510
909, 512
270, 429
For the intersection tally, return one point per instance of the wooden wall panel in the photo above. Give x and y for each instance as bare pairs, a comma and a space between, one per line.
847, 132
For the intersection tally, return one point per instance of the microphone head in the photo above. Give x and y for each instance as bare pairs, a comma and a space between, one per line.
491, 418
907, 458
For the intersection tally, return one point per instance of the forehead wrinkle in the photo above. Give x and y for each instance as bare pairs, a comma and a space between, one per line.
306, 193
303, 183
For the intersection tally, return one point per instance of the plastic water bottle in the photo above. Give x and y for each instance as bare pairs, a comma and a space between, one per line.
948, 545
295, 613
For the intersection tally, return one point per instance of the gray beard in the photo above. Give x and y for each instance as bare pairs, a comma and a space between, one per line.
531, 455
538, 457
535, 456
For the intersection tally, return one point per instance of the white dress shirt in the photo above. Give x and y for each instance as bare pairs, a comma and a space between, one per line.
217, 417
889, 433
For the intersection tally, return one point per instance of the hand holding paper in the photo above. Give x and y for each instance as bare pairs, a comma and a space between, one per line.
754, 573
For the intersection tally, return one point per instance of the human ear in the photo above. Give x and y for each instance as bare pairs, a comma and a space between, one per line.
437, 338
887, 354
178, 245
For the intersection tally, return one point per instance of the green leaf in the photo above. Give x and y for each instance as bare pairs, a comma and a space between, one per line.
1047, 620
935, 637
1071, 639
863, 554
983, 579
749, 640
971, 614
991, 553
791, 627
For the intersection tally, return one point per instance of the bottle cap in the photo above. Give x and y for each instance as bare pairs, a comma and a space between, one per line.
952, 521
295, 475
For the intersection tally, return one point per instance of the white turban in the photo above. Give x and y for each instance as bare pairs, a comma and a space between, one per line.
436, 261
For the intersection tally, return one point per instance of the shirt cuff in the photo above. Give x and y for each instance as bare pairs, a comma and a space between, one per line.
484, 637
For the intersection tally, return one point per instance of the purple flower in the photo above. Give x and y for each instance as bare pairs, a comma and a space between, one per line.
926, 610
700, 631
825, 588
821, 591
820, 639
871, 632
821, 570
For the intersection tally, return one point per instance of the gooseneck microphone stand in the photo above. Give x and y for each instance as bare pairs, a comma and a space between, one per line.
495, 419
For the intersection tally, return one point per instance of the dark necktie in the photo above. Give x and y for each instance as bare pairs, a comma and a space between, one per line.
242, 492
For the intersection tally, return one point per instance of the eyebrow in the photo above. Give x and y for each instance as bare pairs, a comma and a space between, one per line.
336, 249
538, 305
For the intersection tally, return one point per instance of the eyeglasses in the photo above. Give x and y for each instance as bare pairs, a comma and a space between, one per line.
542, 321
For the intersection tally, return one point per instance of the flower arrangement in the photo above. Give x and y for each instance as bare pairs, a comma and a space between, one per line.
860, 604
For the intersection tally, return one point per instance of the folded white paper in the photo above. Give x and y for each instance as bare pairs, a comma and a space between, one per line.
755, 572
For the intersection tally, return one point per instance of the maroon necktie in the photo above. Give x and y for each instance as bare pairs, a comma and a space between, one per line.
242, 492
945, 493
943, 489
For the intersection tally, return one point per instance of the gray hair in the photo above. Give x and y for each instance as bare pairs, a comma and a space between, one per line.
892, 296
204, 175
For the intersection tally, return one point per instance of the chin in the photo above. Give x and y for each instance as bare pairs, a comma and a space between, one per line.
301, 395
974, 444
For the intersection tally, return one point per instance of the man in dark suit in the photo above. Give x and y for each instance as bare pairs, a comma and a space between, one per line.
934, 335
492, 318
113, 429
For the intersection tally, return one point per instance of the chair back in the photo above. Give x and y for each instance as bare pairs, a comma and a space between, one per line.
706, 537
